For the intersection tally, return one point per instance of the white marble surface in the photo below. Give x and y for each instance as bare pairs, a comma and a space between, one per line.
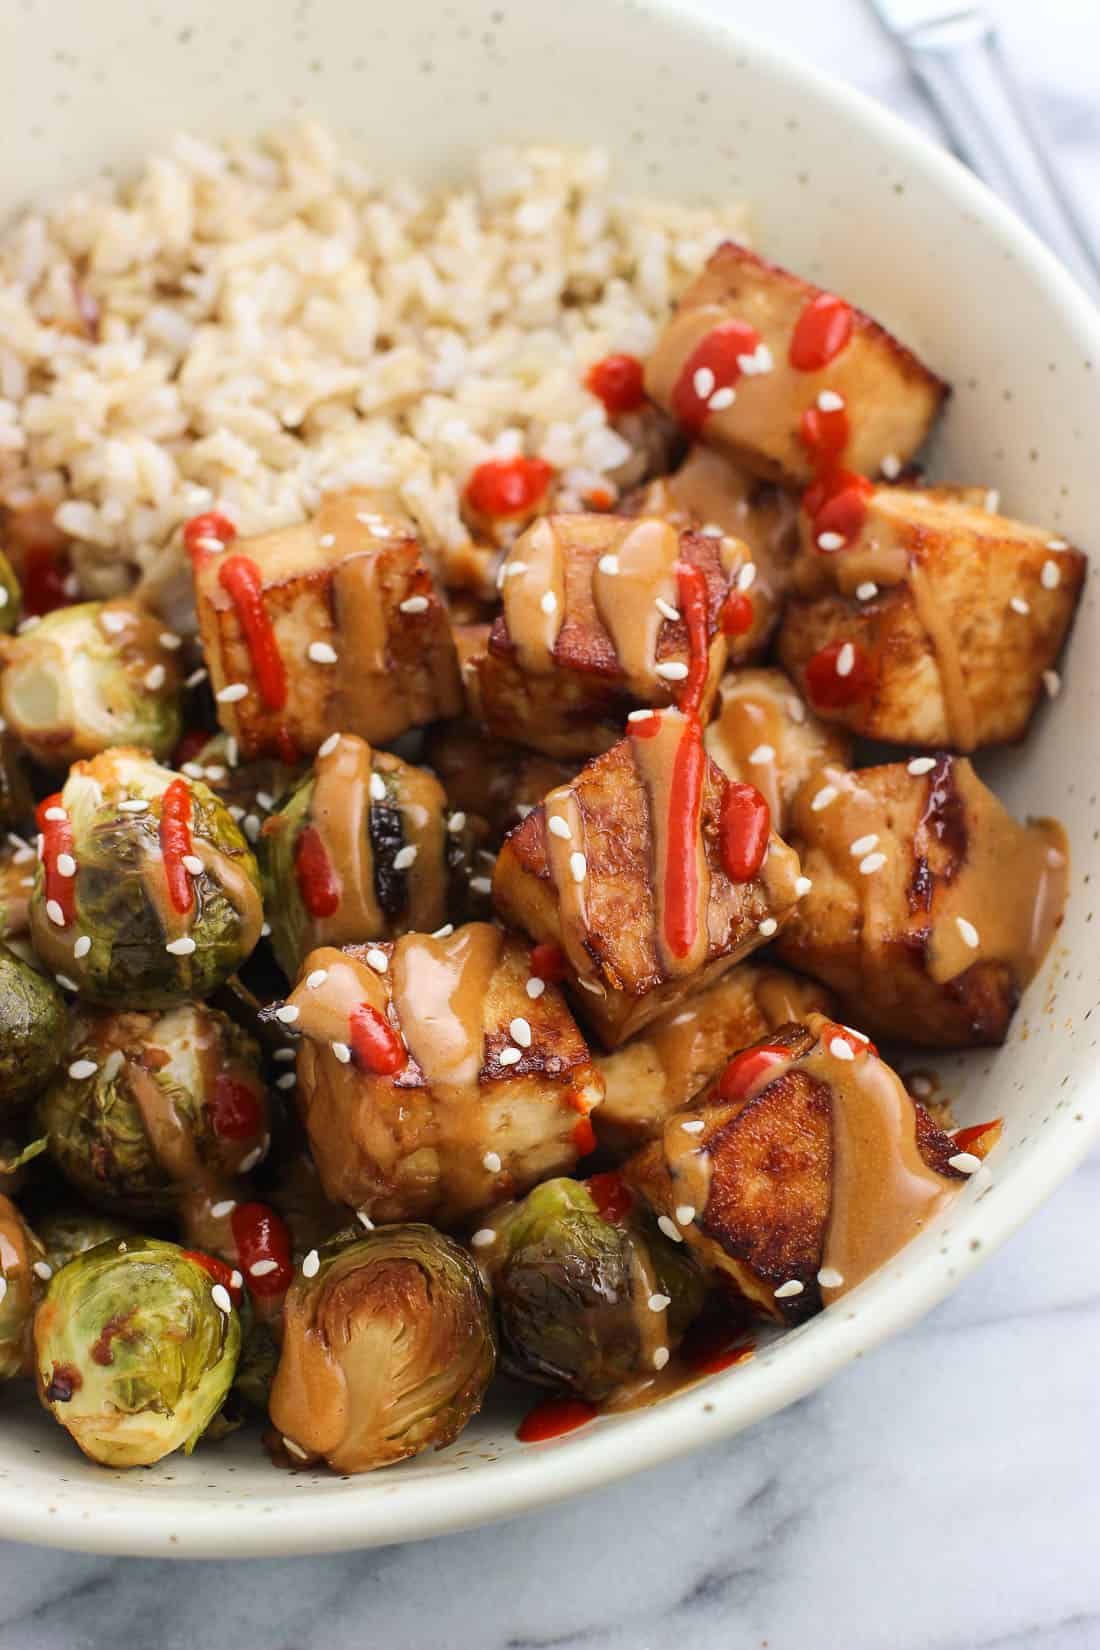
943, 1495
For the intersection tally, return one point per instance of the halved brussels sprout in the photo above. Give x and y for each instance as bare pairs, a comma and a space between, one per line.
89, 677
364, 848
387, 1349
10, 600
68, 1232
147, 892
590, 1299
135, 1349
154, 1114
23, 1272
33, 1029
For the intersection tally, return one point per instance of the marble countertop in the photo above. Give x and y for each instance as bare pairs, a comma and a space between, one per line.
941, 1495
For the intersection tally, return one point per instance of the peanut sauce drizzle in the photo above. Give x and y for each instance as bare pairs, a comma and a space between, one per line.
626, 601
562, 803
533, 630
440, 987
340, 814
748, 718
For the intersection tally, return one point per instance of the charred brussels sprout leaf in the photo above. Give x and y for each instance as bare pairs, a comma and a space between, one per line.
32, 1029
387, 1350
135, 1351
21, 1288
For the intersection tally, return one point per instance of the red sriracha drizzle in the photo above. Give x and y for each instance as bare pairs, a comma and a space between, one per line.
716, 354
57, 839
210, 527
584, 1135
175, 843
42, 579
235, 1109
830, 1032
980, 1138
708, 1348
508, 486
743, 829
375, 1046
737, 614
612, 1197
832, 687
548, 962
219, 1271
262, 1236
748, 1067
691, 584
242, 581
682, 872
837, 503
824, 434
821, 332
315, 874
619, 382
553, 1417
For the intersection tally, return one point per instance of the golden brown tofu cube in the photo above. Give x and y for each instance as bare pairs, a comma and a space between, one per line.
954, 615
627, 875
711, 493
592, 626
801, 1172
930, 907
763, 735
431, 1083
332, 626
665, 1066
750, 349
498, 782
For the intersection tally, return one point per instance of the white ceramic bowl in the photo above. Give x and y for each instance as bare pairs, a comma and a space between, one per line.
844, 194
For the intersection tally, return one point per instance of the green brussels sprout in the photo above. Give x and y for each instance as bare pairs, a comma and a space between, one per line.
33, 1029
23, 1271
91, 676
587, 1300
363, 848
10, 600
135, 1347
387, 1349
156, 1113
147, 892
68, 1232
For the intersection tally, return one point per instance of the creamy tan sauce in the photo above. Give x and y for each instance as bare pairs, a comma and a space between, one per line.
534, 599
572, 903
340, 813
645, 557
939, 626
440, 987
747, 723
422, 802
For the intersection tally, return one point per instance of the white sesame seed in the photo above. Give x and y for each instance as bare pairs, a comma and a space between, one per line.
251, 824
192, 863
578, 866
220, 1296
788, 1290
830, 1278
830, 401
608, 564
377, 960
445, 932
830, 541
992, 501
483, 1237
317, 978
827, 794
55, 813
183, 947
170, 641
311, 1265
83, 1068
659, 1303
845, 659
1051, 576
192, 770
520, 1031
287, 1013
535, 987
860, 1036
133, 805
283, 1054
42, 1269
703, 382
364, 1220
264, 798
920, 765
557, 826
404, 857
685, 1214
867, 591
802, 886
965, 1162
672, 671
548, 602
55, 913
840, 1050
230, 694
155, 677
891, 466
342, 1052
112, 1065
762, 755
456, 822
195, 678
265, 930
641, 715
329, 745
286, 1081
721, 399
711, 530
263, 1268
919, 1085
82, 946
1057, 544
115, 622
696, 1125
510, 1056
872, 863
327, 540
221, 1210
746, 576
863, 845
968, 932
660, 1357
1053, 683
414, 604
670, 1229
1018, 605
66, 865
322, 653
491, 1161
66, 983
671, 613
767, 927
480, 885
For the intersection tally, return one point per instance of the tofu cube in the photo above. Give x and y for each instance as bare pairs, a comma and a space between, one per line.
630, 881
955, 617
751, 348
764, 735
665, 1066
930, 908
592, 627
431, 1083
343, 632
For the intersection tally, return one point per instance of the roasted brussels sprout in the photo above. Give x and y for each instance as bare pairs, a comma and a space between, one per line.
32, 1029
23, 1271
589, 1295
387, 1349
364, 848
136, 1347
147, 892
156, 1113
89, 677
10, 600
67, 1232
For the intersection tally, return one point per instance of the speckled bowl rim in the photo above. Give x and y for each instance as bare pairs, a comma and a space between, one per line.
393, 1507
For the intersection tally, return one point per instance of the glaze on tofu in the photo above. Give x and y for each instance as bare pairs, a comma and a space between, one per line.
954, 615
930, 908
645, 876
334, 626
750, 350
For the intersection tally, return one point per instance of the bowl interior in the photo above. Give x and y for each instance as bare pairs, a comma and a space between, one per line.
844, 195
